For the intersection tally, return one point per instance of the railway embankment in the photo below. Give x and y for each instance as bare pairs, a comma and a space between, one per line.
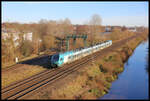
95, 80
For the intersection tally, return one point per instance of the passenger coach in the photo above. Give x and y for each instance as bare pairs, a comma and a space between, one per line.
69, 56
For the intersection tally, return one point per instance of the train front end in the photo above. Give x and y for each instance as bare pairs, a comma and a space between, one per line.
55, 60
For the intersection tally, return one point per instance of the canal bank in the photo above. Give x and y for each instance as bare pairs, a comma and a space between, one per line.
132, 83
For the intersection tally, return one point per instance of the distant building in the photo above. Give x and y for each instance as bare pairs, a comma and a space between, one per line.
28, 36
133, 29
108, 29
111, 28
6, 33
116, 27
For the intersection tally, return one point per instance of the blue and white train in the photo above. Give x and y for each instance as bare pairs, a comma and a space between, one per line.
70, 56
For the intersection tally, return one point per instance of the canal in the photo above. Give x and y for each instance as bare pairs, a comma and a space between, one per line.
133, 82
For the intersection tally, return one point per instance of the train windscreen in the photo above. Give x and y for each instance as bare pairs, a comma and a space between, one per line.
56, 57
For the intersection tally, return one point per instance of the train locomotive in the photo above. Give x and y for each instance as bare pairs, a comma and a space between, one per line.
59, 59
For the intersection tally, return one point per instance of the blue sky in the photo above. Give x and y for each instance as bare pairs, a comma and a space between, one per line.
112, 13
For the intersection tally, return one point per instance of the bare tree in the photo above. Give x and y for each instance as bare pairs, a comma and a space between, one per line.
95, 20
94, 23
95, 27
67, 21
65, 27
124, 28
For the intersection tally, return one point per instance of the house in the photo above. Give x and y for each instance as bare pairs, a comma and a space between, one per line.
28, 36
7, 33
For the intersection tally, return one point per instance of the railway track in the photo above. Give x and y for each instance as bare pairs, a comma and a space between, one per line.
25, 87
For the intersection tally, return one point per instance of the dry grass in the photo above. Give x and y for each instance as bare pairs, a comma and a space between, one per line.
93, 71
20, 60
8, 64
72, 88
20, 74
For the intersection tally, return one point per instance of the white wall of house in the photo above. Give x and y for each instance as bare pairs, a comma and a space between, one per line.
28, 36
8, 35
5, 35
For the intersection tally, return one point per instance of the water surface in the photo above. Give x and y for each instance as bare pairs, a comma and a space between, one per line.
132, 83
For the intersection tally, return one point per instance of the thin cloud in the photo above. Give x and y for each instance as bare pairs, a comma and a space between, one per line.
126, 20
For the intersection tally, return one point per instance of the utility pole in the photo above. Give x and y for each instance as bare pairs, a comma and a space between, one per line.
74, 36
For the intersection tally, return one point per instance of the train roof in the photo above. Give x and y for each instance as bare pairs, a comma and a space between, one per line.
81, 48
66, 53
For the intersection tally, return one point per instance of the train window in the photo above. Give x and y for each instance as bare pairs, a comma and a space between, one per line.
70, 57
56, 57
73, 56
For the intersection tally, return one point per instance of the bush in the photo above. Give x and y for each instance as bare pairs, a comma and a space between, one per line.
95, 92
102, 69
108, 59
110, 79
107, 85
118, 70
26, 48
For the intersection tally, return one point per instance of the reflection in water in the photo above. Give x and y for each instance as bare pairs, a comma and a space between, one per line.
132, 83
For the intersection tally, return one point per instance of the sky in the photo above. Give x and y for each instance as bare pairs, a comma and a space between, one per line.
111, 13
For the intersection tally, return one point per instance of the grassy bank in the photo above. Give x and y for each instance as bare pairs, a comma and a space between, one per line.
95, 80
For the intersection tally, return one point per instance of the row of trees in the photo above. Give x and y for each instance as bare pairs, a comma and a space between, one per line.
44, 33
